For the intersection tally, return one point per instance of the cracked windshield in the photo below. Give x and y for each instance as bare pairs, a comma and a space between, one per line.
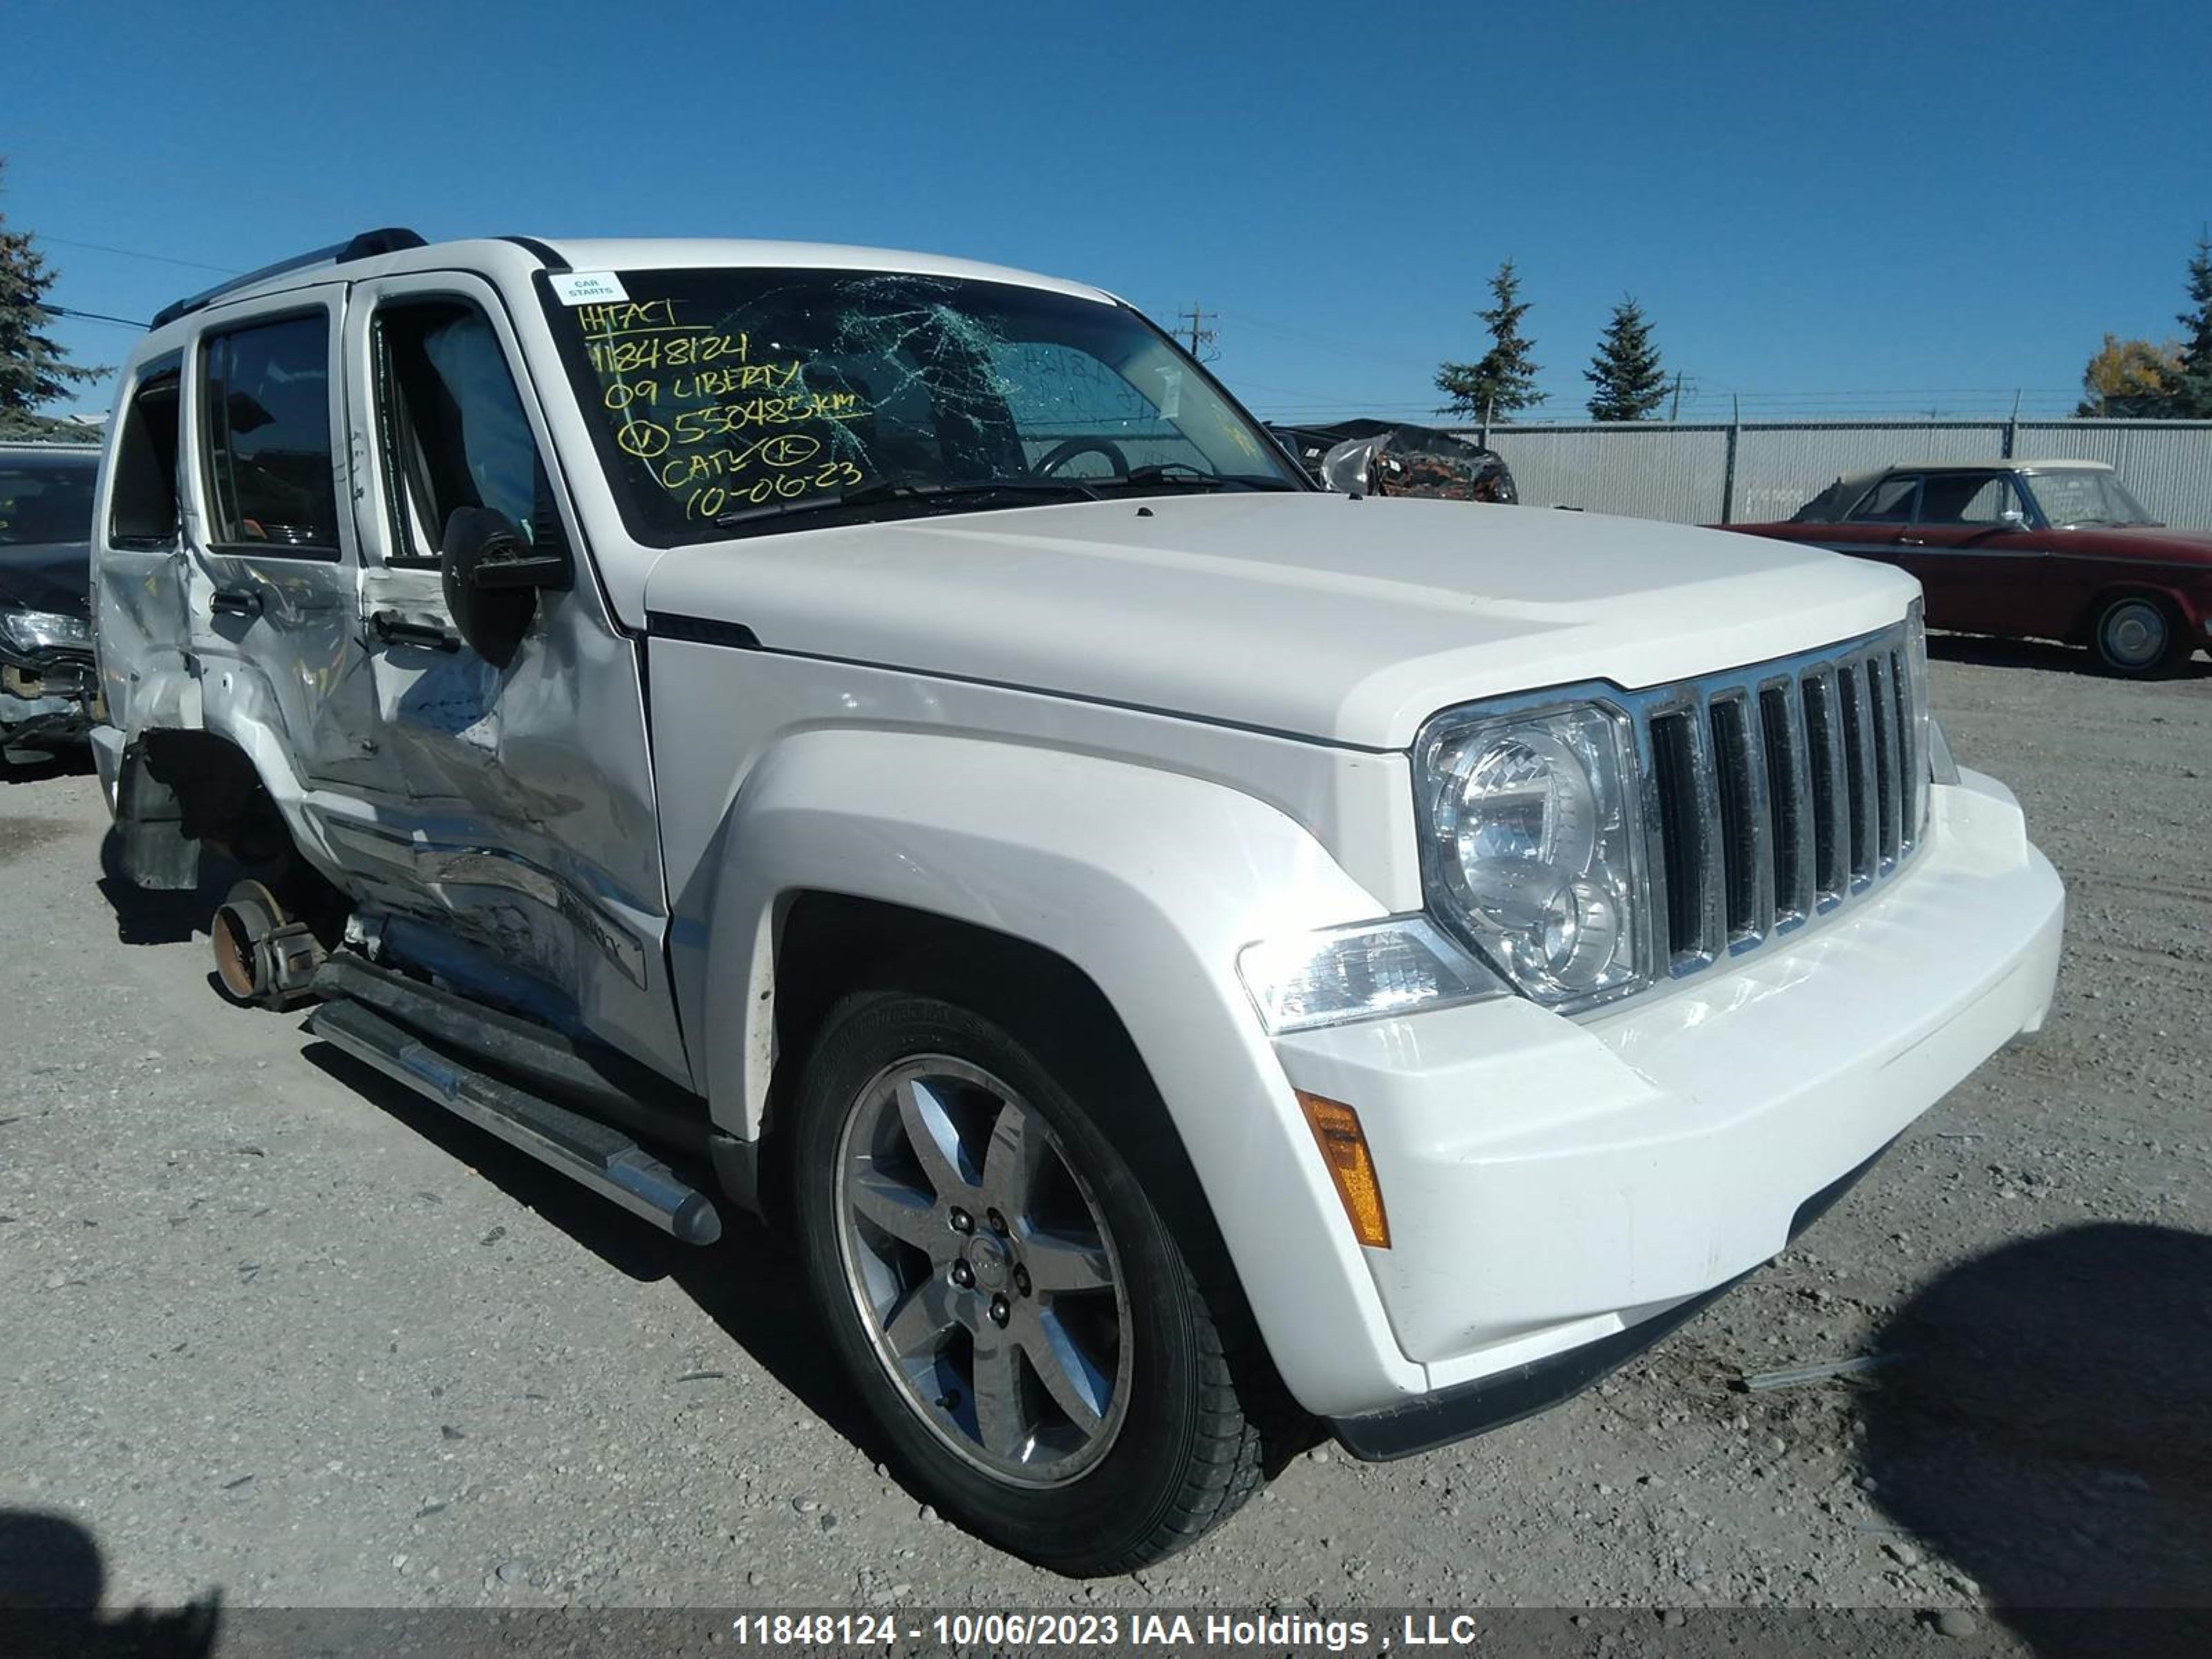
730, 401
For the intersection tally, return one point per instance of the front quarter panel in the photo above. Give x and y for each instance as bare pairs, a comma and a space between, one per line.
1150, 882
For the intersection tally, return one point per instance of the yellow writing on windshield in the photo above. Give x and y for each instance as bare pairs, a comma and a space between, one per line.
725, 431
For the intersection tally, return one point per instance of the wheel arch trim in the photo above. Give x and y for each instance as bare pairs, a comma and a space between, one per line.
1147, 883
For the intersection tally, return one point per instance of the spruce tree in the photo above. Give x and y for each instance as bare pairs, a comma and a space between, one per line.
34, 368
1505, 379
1630, 384
2192, 382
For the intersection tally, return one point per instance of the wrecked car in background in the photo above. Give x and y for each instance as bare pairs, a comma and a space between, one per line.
1391, 458
47, 685
1187, 960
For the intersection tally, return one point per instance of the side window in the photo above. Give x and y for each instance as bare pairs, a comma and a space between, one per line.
142, 510
1965, 498
1890, 502
451, 426
268, 400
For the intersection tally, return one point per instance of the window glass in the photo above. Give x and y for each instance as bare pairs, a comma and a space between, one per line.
269, 464
1891, 502
1965, 498
142, 512
1057, 393
45, 498
731, 401
451, 424
2079, 496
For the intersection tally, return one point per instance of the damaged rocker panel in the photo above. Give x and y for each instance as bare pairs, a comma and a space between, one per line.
444, 866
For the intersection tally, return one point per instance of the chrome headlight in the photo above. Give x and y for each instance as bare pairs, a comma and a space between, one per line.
1532, 846
1370, 970
42, 630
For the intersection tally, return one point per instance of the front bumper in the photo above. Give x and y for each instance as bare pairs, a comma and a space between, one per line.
1493, 1401
48, 701
1560, 1193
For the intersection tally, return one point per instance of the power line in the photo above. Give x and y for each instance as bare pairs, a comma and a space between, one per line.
1197, 336
135, 253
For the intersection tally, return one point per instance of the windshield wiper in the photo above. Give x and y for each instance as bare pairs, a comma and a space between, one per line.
1184, 475
885, 490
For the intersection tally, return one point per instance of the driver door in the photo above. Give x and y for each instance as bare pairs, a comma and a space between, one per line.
517, 822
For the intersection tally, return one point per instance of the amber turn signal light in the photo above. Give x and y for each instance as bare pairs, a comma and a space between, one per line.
1336, 1131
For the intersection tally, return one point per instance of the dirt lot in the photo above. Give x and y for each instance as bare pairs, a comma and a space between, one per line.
270, 1328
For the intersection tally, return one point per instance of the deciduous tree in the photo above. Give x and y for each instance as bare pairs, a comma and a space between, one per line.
2129, 378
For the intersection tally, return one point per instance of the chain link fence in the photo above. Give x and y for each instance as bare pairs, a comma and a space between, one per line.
1756, 471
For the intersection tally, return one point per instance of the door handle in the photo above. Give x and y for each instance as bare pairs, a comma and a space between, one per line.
1911, 541
393, 628
223, 603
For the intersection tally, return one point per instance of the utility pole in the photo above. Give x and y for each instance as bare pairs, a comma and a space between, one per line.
1196, 335
1675, 412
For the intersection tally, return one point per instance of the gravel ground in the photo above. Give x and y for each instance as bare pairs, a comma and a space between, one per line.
270, 1328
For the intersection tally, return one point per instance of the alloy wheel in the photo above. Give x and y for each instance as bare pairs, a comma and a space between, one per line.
983, 1271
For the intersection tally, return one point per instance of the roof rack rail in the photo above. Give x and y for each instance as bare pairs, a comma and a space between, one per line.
392, 238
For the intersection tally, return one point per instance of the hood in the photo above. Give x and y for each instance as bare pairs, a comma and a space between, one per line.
47, 576
1322, 616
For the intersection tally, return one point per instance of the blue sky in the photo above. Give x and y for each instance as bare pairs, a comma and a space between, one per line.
1871, 209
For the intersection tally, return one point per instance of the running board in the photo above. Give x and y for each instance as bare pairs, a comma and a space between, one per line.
588, 1153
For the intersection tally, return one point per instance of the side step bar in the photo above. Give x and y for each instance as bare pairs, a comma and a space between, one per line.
588, 1153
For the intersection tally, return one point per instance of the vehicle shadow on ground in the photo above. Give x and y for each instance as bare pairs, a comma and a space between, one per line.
2040, 654
2048, 1429
750, 1283
52, 1578
143, 916
37, 769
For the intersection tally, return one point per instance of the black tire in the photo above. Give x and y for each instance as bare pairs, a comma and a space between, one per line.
1189, 1449
2136, 636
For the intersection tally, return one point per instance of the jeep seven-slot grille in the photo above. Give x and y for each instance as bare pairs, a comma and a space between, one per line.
1777, 792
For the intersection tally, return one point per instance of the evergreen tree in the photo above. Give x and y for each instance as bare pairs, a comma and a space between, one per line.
1630, 384
1505, 379
34, 368
2192, 382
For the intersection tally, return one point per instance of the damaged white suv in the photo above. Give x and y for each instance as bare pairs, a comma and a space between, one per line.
887, 742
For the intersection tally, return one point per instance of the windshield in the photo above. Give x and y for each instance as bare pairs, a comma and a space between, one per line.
730, 401
45, 498
2079, 496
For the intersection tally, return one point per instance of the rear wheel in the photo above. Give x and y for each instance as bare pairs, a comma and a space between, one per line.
2136, 636
1023, 1321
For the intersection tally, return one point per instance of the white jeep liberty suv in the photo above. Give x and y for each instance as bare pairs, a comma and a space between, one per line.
887, 742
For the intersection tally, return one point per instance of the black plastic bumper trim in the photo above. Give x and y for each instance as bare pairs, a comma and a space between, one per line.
1492, 1402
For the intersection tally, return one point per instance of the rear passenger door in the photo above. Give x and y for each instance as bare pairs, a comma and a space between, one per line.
1874, 525
269, 576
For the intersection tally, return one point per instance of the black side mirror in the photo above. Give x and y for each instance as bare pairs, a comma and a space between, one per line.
492, 577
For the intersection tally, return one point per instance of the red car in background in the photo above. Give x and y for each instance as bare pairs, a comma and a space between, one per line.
2039, 550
